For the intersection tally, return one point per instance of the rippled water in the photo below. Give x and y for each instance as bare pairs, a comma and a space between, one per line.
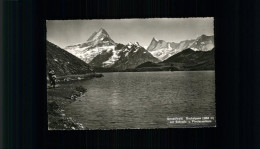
144, 99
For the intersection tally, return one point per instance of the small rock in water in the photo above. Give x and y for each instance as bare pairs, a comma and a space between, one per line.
63, 115
73, 128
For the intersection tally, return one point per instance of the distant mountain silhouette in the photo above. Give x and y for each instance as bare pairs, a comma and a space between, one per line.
186, 60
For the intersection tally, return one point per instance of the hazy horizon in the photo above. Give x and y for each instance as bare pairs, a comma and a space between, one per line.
70, 32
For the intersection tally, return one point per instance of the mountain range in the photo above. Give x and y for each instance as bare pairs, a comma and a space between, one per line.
163, 50
101, 51
185, 60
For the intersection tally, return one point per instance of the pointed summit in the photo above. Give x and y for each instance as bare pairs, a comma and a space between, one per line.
99, 38
92, 36
102, 31
153, 44
154, 39
203, 36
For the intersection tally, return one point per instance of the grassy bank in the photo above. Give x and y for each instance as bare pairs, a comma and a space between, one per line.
63, 94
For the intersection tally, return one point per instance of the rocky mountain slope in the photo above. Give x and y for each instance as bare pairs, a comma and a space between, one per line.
163, 50
62, 62
148, 64
188, 59
99, 42
132, 55
101, 51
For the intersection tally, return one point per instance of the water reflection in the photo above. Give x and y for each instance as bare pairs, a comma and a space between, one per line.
144, 100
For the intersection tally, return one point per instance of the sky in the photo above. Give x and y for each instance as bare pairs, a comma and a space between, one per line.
70, 32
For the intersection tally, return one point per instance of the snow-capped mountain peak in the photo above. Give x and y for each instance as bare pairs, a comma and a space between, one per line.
131, 44
163, 50
101, 51
96, 44
100, 35
155, 39
101, 32
201, 37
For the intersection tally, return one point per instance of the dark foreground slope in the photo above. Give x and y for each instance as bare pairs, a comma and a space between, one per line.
183, 61
148, 64
62, 62
68, 68
192, 60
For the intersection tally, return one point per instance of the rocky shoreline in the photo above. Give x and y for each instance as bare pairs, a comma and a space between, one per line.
63, 94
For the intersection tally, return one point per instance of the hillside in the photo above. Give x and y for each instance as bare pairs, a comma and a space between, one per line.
62, 62
148, 64
183, 61
193, 60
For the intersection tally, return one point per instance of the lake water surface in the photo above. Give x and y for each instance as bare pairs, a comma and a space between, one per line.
144, 99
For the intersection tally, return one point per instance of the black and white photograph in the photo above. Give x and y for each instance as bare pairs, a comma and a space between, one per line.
130, 74
153, 73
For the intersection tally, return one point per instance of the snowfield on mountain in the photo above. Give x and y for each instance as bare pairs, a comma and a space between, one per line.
163, 50
101, 51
